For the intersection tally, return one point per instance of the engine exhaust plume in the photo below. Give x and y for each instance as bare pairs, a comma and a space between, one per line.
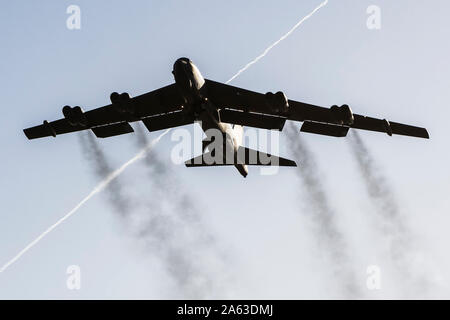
98, 188
377, 184
326, 232
161, 176
391, 221
93, 152
175, 228
287, 34
156, 222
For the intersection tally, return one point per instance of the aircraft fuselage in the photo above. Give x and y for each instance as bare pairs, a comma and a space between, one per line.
190, 82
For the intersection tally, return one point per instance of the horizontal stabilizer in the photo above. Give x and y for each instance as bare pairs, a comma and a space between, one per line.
244, 156
324, 129
112, 130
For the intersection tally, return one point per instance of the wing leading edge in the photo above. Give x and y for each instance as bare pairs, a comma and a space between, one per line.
163, 108
159, 109
257, 110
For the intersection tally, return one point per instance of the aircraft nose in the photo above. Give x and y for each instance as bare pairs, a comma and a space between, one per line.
181, 63
181, 66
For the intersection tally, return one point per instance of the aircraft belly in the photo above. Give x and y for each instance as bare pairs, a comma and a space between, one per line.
210, 126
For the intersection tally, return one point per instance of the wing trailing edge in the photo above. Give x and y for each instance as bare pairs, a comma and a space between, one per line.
324, 129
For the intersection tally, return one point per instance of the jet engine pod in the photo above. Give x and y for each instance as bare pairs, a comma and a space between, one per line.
269, 97
114, 97
67, 112
342, 115
335, 114
121, 102
347, 115
281, 101
277, 101
75, 116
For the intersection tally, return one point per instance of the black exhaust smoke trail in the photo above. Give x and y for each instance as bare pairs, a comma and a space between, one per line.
377, 184
162, 177
165, 225
167, 185
323, 217
93, 152
393, 222
176, 228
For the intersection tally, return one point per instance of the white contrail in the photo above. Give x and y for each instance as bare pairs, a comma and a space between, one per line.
96, 190
277, 42
142, 153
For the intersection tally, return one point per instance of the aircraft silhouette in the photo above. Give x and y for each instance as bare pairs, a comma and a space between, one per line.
220, 108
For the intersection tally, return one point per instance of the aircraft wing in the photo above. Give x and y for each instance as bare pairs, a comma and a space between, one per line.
249, 108
158, 109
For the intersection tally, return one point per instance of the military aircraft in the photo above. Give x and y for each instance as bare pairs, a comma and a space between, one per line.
217, 106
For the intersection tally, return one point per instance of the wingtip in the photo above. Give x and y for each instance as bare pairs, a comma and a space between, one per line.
27, 133
288, 163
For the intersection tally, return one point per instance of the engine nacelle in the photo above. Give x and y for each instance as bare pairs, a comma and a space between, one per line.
75, 116
342, 115
121, 102
278, 102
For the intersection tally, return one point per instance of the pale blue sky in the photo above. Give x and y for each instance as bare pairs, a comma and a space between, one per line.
400, 72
